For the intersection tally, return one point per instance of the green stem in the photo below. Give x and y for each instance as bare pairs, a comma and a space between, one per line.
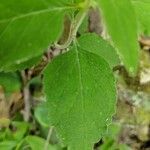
48, 138
75, 25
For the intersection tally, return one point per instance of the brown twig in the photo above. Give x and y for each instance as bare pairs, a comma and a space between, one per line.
26, 96
47, 57
27, 75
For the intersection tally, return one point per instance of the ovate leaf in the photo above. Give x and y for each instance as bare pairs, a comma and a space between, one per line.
95, 44
81, 95
121, 24
28, 27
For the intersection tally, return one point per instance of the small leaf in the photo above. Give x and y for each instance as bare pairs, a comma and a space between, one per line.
21, 129
84, 26
40, 111
124, 147
121, 24
28, 27
9, 79
95, 44
37, 143
81, 97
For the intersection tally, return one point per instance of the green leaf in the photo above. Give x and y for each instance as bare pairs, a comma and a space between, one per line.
23, 65
19, 133
109, 144
40, 111
28, 27
124, 147
142, 10
84, 26
95, 44
7, 145
37, 143
9, 79
113, 130
81, 97
2, 133
121, 24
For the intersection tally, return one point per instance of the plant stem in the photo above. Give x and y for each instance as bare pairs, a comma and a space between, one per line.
27, 108
74, 27
26, 94
48, 138
76, 22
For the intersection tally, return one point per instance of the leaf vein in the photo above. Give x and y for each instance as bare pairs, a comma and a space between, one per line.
35, 13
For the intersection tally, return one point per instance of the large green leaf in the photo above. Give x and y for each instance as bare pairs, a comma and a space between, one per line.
95, 44
121, 24
81, 97
28, 27
142, 10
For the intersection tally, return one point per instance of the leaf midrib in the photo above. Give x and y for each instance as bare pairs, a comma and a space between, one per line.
81, 92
